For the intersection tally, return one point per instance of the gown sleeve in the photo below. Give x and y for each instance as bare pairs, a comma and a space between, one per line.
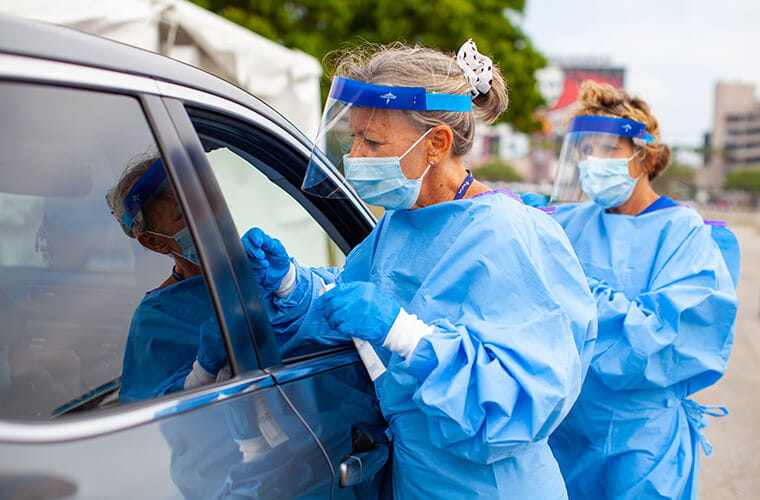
514, 328
161, 345
287, 313
680, 330
295, 322
298, 326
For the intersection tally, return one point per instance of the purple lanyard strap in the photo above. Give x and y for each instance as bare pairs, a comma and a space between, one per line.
464, 186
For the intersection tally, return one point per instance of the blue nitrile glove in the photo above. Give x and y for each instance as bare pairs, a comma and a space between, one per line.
212, 355
359, 309
533, 199
268, 258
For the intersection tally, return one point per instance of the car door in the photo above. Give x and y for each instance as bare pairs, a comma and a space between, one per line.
252, 167
69, 283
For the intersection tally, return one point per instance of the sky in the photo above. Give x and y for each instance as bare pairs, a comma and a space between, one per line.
674, 51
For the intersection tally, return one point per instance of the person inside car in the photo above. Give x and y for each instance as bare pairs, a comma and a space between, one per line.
164, 352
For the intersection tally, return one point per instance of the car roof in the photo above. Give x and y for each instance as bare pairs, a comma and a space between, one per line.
27, 37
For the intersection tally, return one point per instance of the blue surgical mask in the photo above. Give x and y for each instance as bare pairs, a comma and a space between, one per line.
381, 182
606, 180
185, 241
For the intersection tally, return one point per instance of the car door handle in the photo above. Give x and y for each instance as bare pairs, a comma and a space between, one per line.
359, 467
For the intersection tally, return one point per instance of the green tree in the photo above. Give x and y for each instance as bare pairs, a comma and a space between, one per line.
745, 179
678, 182
496, 170
318, 27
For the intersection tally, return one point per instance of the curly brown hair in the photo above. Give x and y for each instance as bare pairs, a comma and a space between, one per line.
602, 99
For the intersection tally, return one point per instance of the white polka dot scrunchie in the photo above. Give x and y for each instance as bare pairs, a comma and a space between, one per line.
477, 68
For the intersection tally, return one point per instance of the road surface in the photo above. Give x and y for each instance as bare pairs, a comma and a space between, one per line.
732, 472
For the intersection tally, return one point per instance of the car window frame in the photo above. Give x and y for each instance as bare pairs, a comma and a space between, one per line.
180, 151
146, 93
251, 320
343, 219
346, 220
153, 95
149, 93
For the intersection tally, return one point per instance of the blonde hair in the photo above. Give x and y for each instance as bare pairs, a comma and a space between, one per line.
398, 64
602, 99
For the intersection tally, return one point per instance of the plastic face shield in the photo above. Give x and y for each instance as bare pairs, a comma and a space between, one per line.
152, 182
349, 112
597, 136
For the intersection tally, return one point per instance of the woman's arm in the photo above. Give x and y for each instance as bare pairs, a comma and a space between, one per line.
513, 331
681, 330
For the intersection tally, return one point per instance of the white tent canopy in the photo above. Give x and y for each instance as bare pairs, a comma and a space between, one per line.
286, 79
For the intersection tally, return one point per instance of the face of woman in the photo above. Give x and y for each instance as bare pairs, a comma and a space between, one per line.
165, 218
382, 133
609, 146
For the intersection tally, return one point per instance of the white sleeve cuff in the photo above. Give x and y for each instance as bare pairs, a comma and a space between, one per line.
225, 373
288, 283
405, 333
198, 377
252, 448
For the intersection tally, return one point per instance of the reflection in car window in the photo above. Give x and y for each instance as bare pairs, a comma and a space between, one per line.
166, 350
69, 278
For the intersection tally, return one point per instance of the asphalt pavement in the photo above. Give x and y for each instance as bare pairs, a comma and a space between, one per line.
732, 472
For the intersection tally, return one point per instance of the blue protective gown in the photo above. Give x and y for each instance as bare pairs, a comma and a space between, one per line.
471, 409
667, 309
729, 247
163, 339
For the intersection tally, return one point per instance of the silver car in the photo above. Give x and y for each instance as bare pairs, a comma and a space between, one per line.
74, 111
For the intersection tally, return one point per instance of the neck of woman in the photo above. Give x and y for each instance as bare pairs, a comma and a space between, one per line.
443, 181
184, 268
643, 195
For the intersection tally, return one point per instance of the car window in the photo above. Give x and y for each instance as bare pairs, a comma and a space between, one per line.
255, 173
255, 201
71, 281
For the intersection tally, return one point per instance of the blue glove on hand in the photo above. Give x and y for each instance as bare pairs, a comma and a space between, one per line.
533, 199
212, 355
268, 258
359, 310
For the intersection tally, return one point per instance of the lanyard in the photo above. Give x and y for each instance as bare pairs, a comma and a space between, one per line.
176, 275
464, 186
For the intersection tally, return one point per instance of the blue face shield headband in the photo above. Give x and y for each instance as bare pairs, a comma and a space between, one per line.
386, 97
152, 182
609, 125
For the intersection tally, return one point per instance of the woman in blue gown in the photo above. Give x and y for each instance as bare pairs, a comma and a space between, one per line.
666, 307
474, 303
167, 349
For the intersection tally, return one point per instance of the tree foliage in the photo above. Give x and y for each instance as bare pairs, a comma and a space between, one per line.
318, 27
678, 182
745, 179
497, 170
